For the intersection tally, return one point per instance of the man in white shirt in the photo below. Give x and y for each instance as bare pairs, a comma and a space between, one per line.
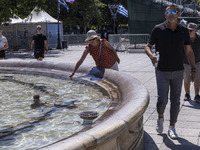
3, 45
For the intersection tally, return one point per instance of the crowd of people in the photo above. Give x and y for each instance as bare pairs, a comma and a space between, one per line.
179, 51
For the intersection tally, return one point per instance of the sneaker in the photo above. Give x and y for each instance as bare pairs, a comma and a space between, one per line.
159, 127
187, 97
197, 98
172, 133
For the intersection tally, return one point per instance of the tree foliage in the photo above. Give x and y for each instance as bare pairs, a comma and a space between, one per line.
84, 14
5, 12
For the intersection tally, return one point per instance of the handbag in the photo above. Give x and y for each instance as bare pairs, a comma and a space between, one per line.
97, 71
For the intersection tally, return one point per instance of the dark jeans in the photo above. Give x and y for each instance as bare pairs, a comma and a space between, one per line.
165, 81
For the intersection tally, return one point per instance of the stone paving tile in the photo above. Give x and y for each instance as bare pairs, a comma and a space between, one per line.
189, 118
187, 132
189, 124
152, 114
150, 128
189, 111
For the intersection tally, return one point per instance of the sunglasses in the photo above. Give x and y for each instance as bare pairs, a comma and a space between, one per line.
171, 12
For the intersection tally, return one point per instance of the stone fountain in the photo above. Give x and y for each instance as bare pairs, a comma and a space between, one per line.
121, 126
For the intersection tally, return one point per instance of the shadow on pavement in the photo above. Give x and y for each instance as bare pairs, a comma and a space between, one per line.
149, 143
193, 104
180, 144
183, 144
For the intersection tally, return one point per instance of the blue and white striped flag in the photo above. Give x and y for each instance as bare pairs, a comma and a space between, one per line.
70, 1
122, 10
63, 3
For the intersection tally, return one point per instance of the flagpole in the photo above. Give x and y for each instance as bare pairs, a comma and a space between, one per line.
113, 8
59, 45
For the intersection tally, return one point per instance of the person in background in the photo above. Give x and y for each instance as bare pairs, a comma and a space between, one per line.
171, 41
106, 35
3, 45
195, 43
39, 40
108, 56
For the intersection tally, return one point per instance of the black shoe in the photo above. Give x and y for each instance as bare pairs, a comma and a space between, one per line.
187, 97
197, 98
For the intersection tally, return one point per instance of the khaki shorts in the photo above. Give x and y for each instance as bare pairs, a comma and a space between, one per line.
187, 71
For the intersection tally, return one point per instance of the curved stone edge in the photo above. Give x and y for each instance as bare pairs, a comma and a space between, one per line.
122, 130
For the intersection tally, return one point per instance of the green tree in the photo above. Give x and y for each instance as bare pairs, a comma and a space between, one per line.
6, 11
90, 14
21, 8
85, 14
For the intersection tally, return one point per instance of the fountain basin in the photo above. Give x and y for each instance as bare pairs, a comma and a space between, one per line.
120, 128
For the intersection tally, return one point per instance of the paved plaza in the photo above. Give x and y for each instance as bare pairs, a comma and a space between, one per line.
138, 65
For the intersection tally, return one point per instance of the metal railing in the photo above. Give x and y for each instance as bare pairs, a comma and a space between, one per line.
120, 42
123, 42
75, 39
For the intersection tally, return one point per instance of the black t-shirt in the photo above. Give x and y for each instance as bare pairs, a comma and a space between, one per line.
170, 45
39, 41
196, 49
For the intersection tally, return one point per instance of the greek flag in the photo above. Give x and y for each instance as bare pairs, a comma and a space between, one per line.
122, 10
70, 1
62, 2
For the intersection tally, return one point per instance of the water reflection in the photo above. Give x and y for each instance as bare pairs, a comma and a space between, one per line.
23, 127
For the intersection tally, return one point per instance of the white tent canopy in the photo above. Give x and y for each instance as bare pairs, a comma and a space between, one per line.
15, 19
38, 17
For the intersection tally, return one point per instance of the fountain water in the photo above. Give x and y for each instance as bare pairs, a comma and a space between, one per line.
120, 127
26, 126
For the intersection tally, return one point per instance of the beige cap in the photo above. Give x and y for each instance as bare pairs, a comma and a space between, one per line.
91, 34
39, 26
192, 26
